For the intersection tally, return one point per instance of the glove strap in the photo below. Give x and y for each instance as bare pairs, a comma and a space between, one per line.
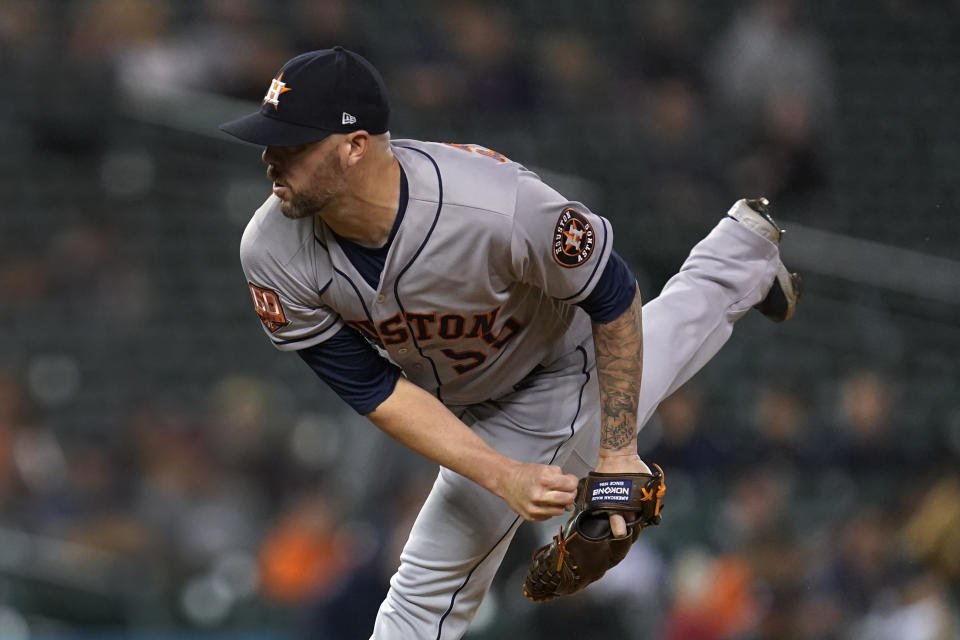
624, 491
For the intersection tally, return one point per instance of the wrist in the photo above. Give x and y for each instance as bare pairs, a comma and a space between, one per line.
622, 463
612, 454
496, 482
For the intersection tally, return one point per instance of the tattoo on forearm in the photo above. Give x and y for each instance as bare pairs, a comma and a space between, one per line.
619, 434
619, 349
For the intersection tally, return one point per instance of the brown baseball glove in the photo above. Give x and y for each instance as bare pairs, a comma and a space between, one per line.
585, 547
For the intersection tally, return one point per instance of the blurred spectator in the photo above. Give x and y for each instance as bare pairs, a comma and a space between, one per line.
247, 424
683, 442
14, 417
780, 432
198, 508
771, 72
483, 39
755, 509
305, 551
769, 52
863, 433
866, 402
97, 514
712, 598
781, 155
370, 553
860, 566
678, 174
470, 63
918, 611
780, 416
25, 280
21, 35
229, 48
667, 43
660, 89
41, 464
102, 30
84, 43
933, 531
325, 23
93, 275
571, 75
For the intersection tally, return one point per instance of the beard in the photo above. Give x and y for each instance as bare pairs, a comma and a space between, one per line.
302, 206
323, 187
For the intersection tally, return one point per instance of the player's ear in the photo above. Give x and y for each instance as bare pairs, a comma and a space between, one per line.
356, 145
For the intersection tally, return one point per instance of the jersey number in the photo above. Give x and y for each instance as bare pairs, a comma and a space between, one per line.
467, 359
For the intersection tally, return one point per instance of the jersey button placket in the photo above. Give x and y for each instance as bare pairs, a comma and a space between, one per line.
381, 298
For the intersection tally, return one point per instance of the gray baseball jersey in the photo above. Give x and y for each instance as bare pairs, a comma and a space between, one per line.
478, 284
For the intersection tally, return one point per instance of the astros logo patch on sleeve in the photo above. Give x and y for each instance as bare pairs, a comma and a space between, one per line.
267, 304
573, 239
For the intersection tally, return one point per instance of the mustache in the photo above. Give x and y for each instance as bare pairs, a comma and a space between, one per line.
273, 174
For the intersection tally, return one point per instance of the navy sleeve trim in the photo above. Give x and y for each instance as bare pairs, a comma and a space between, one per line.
353, 369
606, 233
613, 293
309, 336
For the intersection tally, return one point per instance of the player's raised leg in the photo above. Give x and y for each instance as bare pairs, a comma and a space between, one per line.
736, 267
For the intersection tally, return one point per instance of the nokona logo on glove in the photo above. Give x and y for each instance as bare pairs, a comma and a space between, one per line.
610, 491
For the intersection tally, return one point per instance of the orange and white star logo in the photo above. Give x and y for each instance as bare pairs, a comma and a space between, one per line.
573, 235
573, 239
277, 87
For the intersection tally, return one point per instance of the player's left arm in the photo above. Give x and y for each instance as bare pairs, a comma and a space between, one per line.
566, 250
618, 345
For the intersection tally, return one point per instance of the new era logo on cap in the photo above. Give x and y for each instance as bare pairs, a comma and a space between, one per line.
316, 94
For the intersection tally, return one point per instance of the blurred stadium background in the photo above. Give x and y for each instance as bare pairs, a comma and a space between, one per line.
165, 474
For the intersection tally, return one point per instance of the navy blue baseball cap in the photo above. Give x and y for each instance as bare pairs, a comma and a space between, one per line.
313, 95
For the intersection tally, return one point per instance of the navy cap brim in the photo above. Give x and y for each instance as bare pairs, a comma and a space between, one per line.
270, 132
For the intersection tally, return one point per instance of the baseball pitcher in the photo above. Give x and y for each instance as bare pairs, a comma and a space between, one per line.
483, 320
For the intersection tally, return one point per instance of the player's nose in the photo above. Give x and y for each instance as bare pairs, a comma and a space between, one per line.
274, 155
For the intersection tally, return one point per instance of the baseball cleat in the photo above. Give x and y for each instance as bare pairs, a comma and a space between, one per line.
755, 214
781, 300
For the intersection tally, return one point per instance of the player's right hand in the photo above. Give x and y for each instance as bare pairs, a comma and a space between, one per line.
538, 491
